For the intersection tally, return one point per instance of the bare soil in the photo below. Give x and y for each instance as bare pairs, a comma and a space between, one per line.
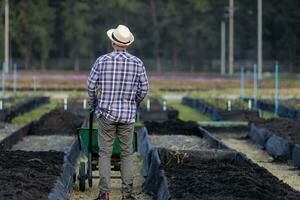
287, 128
28, 175
216, 179
57, 122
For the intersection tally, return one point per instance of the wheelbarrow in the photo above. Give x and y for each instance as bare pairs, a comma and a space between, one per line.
88, 141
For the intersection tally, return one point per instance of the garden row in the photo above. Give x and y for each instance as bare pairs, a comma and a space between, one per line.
154, 110
38, 161
196, 165
286, 108
279, 137
215, 108
11, 107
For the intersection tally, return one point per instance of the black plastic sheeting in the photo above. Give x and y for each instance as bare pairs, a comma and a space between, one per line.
64, 183
13, 138
218, 114
276, 146
156, 183
259, 136
296, 155
7, 114
283, 111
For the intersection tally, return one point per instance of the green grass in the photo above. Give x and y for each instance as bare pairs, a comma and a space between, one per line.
36, 113
269, 115
187, 113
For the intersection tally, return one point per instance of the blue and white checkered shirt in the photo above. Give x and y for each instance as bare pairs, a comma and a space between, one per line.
122, 82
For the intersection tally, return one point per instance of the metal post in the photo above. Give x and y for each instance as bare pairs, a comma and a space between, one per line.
243, 82
231, 37
276, 96
84, 104
164, 106
34, 83
3, 79
260, 40
148, 104
15, 79
6, 36
223, 47
255, 86
65, 103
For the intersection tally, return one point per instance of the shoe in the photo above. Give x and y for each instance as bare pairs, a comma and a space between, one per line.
103, 196
127, 196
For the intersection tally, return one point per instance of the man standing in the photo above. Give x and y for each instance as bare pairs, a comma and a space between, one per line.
122, 83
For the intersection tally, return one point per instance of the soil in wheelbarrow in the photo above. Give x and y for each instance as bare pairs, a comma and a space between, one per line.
286, 128
215, 179
173, 127
57, 122
28, 175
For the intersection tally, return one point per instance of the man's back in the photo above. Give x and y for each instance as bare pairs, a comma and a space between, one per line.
122, 83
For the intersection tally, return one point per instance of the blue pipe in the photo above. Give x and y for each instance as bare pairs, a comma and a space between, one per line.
15, 79
243, 82
276, 96
3, 80
255, 85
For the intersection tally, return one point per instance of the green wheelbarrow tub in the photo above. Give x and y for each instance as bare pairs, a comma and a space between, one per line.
83, 134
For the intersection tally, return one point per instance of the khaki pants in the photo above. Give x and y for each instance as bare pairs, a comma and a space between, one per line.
107, 130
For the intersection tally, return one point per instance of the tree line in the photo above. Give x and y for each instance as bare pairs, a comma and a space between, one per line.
170, 34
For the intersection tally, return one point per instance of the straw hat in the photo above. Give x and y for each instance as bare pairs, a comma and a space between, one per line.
121, 36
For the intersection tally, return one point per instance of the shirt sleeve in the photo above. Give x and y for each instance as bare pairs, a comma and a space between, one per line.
143, 85
92, 82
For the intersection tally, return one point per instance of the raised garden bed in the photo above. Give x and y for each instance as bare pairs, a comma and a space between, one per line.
280, 137
286, 108
29, 175
216, 109
12, 111
54, 136
156, 112
212, 175
212, 172
176, 135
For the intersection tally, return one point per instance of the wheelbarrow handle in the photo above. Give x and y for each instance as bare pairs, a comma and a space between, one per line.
91, 120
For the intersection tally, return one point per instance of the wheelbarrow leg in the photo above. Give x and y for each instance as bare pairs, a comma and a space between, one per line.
90, 170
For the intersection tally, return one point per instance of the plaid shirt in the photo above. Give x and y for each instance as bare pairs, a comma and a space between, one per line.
122, 82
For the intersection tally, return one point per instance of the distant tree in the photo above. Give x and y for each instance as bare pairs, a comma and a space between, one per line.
77, 29
32, 29
1, 31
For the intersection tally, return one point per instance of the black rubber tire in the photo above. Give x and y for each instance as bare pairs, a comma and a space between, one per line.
90, 170
82, 176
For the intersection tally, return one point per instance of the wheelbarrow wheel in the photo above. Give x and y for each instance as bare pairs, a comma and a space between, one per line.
82, 176
90, 171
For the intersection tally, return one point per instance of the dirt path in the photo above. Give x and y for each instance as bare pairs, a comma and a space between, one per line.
283, 171
91, 193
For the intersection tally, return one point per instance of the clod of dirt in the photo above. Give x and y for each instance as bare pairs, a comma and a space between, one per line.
215, 179
56, 122
287, 128
29, 175
173, 127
